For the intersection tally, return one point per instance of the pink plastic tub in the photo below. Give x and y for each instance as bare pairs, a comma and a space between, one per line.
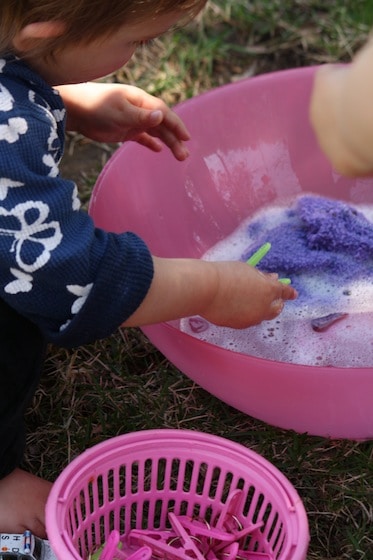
251, 144
133, 481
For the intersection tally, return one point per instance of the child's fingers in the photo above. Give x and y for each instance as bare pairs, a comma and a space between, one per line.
288, 292
284, 290
156, 143
149, 142
175, 125
172, 138
276, 307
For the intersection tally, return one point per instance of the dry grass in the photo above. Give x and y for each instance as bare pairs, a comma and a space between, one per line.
123, 383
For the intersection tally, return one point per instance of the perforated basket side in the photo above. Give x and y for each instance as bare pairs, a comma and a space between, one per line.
136, 479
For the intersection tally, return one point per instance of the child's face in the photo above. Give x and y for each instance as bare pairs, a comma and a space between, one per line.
86, 62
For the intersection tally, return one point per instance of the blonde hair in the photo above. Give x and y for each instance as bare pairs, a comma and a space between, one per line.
85, 20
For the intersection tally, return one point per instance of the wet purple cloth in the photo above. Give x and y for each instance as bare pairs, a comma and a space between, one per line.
318, 234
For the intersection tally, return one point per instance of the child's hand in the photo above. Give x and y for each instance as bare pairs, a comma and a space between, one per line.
116, 113
231, 294
246, 296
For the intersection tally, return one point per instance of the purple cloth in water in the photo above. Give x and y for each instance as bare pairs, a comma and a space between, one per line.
319, 234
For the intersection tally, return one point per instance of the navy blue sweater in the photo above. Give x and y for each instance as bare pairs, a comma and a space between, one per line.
78, 283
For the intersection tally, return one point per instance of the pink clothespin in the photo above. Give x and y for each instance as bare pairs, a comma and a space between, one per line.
238, 532
136, 536
229, 510
188, 545
203, 529
143, 553
229, 552
112, 552
111, 546
159, 543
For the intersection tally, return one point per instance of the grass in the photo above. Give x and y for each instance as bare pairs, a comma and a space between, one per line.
123, 383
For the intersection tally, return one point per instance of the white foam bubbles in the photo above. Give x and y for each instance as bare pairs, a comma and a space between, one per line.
291, 338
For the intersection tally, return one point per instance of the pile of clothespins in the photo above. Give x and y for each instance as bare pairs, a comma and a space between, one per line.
225, 538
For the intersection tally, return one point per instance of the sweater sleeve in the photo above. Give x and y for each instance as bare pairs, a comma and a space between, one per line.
78, 283
121, 273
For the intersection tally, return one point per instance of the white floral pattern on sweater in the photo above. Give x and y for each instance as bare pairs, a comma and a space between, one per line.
77, 282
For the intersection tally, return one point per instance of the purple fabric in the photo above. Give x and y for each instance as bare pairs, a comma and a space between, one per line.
319, 234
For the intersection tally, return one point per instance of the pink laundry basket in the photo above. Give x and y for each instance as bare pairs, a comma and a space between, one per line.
135, 480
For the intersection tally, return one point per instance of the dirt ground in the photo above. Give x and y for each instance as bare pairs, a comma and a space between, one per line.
83, 161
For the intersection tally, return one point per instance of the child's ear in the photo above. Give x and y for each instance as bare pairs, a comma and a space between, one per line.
34, 32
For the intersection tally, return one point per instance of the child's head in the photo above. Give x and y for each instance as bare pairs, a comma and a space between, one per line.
83, 20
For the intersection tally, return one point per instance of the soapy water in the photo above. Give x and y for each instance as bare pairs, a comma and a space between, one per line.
292, 337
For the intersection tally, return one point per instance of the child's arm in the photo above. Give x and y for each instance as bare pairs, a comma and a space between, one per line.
231, 294
342, 113
116, 113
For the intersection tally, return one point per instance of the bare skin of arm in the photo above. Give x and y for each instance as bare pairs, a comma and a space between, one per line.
342, 113
232, 294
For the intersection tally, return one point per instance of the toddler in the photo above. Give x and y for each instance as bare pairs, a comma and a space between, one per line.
61, 279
